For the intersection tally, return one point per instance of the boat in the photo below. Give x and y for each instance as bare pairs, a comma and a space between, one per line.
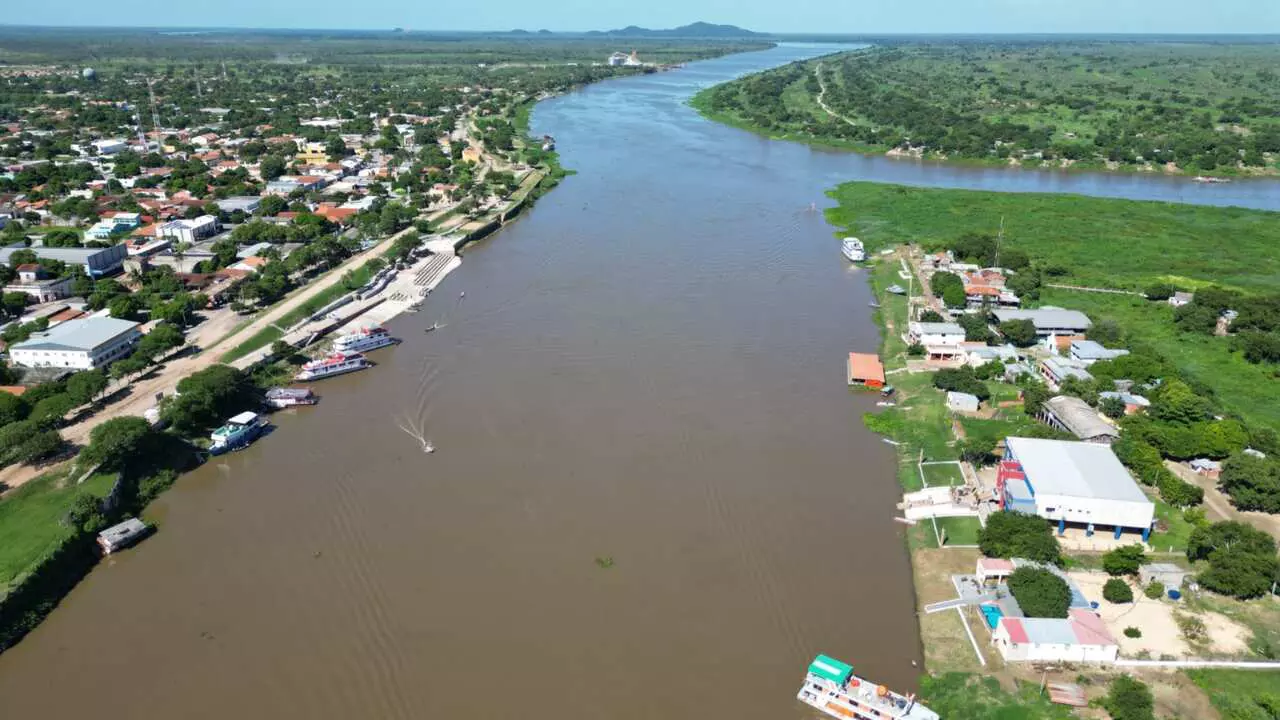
831, 686
896, 290
435, 326
335, 364
121, 536
291, 397
364, 339
873, 304
852, 249
237, 433
1211, 180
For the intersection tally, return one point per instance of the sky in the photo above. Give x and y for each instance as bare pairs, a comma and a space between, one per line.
826, 16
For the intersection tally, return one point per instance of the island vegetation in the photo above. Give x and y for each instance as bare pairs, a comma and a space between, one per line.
1199, 108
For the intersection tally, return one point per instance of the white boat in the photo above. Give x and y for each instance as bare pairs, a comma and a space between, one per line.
237, 433
335, 364
831, 686
364, 340
852, 249
291, 397
1211, 180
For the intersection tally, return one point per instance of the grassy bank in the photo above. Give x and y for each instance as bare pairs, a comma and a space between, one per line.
1104, 243
32, 520
1240, 694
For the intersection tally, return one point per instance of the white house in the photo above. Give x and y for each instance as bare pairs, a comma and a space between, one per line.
109, 147
934, 334
1072, 482
31, 280
1089, 352
78, 344
1080, 637
189, 231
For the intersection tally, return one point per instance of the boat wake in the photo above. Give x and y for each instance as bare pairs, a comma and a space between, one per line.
417, 433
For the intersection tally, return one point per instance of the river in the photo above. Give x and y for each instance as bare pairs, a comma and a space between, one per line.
652, 494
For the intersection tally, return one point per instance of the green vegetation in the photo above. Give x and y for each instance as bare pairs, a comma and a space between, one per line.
959, 530
1123, 560
32, 520
962, 696
1012, 534
1040, 593
1241, 559
1241, 694
1116, 590
1129, 699
1171, 107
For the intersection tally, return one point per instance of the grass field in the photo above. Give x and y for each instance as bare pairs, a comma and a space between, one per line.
945, 474
31, 521
1156, 241
1235, 693
959, 530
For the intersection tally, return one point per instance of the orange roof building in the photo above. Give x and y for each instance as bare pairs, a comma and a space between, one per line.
865, 369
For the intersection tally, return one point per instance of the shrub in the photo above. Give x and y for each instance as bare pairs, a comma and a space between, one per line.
1040, 593
1154, 591
1010, 534
1123, 560
1178, 492
1129, 699
1242, 559
1132, 632
1117, 591
915, 349
962, 380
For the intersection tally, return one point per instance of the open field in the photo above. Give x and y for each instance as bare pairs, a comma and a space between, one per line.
1107, 243
1148, 106
1240, 694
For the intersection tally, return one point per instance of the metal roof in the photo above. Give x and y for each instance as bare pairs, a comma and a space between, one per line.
831, 669
1046, 318
937, 328
1076, 415
1093, 350
1074, 469
84, 334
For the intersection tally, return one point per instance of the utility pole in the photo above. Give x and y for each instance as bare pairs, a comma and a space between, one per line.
999, 239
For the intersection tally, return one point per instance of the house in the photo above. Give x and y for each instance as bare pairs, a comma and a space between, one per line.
1133, 404
993, 570
939, 261
977, 296
1089, 352
1056, 370
962, 402
204, 140
97, 262
1206, 467
471, 154
1167, 574
282, 186
1074, 415
33, 281
930, 334
1072, 482
109, 147
245, 204
108, 226
1048, 321
1081, 637
979, 354
1179, 299
617, 59
189, 231
865, 369
79, 344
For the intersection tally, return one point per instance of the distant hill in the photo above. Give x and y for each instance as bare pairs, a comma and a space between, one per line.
694, 30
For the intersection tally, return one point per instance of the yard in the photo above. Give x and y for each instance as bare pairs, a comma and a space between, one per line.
31, 521
1239, 694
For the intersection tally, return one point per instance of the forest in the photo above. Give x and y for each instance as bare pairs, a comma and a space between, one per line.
1210, 108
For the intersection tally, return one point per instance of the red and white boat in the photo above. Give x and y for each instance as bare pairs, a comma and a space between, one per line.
335, 364
291, 397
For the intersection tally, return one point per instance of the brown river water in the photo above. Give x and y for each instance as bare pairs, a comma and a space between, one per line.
647, 367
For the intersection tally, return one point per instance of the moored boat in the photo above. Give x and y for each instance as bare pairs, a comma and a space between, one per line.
852, 249
831, 686
237, 433
291, 397
364, 339
335, 364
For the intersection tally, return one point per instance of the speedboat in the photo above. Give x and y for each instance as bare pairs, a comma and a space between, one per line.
852, 249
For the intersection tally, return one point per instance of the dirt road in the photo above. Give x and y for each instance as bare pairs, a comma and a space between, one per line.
1218, 506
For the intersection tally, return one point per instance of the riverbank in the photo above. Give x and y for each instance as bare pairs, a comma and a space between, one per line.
998, 105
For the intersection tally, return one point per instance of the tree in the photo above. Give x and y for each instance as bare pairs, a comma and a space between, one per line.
1129, 699
1105, 332
975, 327
1034, 395
1040, 593
949, 287
272, 167
1112, 406
12, 408
125, 367
124, 307
1019, 332
1160, 291
1253, 483
207, 397
15, 303
1176, 402
931, 316
272, 205
1242, 559
963, 380
1178, 492
1123, 560
162, 338
52, 409
39, 446
1117, 591
118, 442
1154, 591
86, 385
1012, 534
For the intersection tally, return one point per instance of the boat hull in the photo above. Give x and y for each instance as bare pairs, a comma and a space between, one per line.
367, 345
308, 375
243, 441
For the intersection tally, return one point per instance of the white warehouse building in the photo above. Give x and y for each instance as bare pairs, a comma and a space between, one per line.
78, 344
1079, 483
